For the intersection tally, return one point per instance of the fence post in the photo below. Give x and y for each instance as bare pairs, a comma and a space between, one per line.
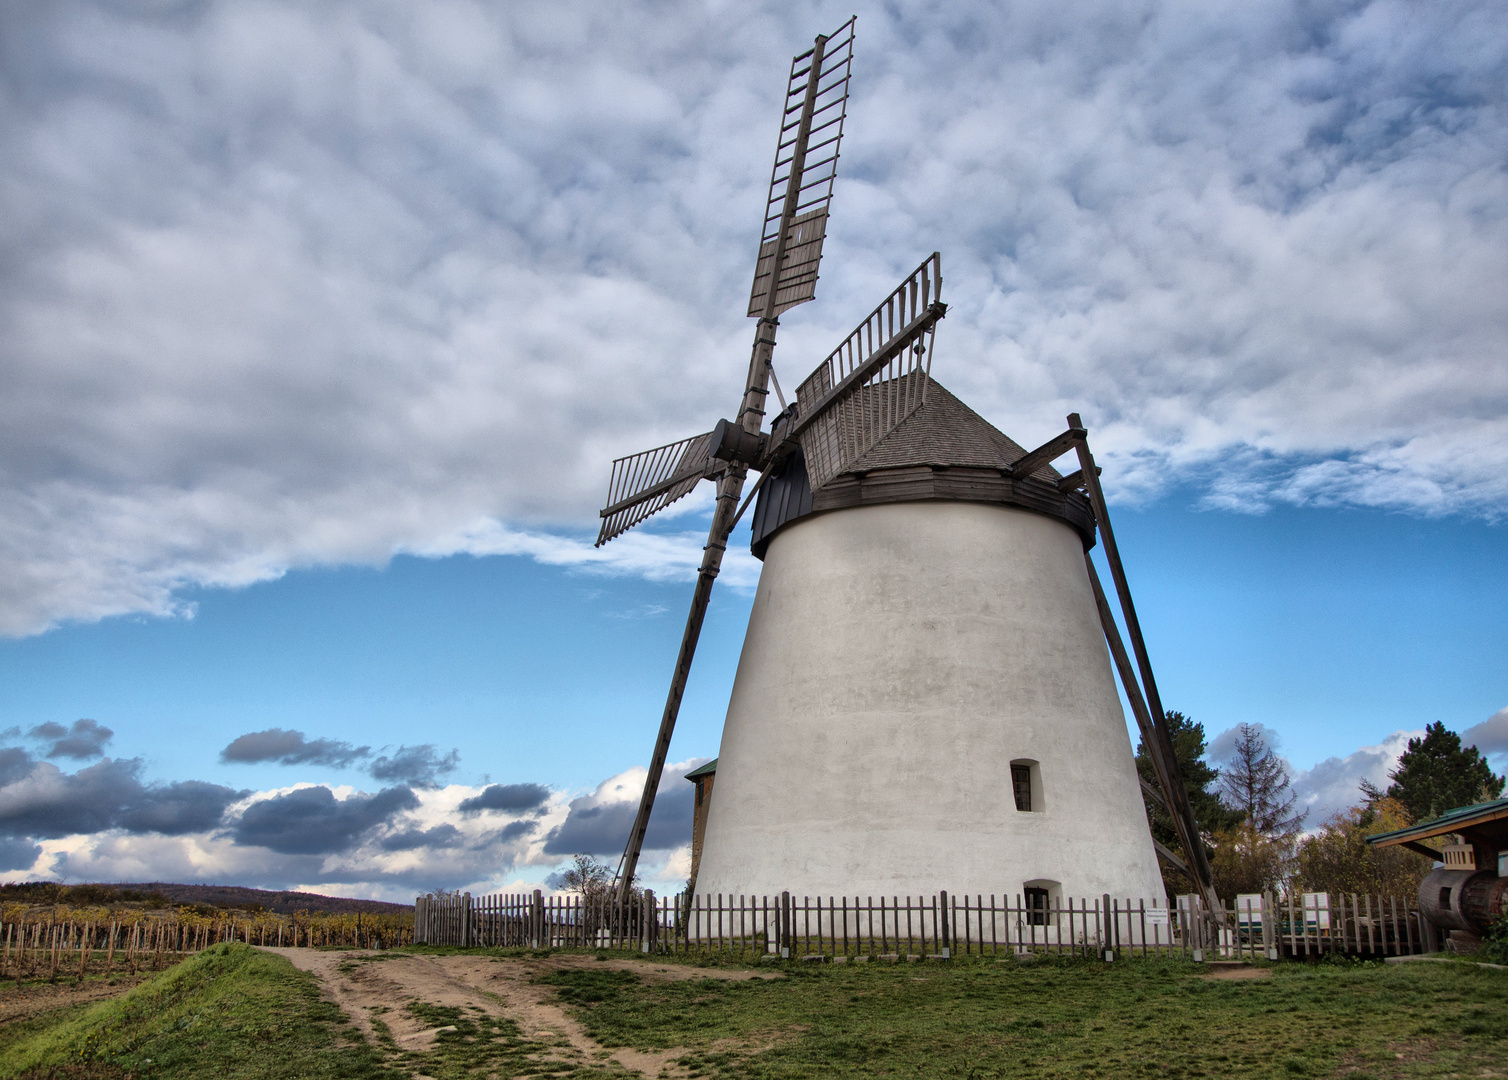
946, 936
785, 926
1107, 931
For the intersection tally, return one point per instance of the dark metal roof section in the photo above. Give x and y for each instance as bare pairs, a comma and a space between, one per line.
944, 451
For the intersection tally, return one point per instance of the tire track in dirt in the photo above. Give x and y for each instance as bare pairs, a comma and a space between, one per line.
368, 984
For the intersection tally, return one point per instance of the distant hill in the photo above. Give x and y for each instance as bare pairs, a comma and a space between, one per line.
156, 894
283, 903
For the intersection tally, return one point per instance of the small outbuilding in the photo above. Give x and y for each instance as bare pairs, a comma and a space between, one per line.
1468, 892
702, 777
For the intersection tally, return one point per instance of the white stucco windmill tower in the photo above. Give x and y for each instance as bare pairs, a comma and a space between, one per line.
926, 695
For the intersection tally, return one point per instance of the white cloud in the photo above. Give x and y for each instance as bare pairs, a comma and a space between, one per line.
1333, 785
1222, 747
288, 285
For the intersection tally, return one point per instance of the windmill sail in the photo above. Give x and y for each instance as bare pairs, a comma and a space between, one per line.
790, 247
874, 380
647, 482
806, 164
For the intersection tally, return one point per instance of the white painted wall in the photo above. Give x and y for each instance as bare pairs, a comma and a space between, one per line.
898, 658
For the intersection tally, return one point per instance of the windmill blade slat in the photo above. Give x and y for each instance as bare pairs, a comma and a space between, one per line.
798, 275
645, 483
874, 380
795, 280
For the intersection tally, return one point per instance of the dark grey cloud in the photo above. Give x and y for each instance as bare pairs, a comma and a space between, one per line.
1490, 736
418, 766
85, 739
17, 854
312, 821
51, 803
42, 801
440, 836
511, 797
287, 747
515, 830
599, 823
1260, 252
14, 764
185, 806
603, 829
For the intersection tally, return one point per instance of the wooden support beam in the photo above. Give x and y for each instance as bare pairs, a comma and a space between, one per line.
1163, 762
1157, 739
1172, 859
1049, 451
1151, 791
1074, 479
1420, 849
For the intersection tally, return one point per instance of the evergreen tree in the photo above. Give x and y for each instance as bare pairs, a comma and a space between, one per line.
1436, 774
1198, 779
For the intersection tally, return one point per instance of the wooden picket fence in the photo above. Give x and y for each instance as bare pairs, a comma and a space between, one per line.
940, 925
47, 945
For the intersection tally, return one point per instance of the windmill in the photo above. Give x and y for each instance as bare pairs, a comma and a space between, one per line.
850, 446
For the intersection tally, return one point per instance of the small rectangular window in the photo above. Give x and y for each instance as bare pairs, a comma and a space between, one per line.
1021, 780
1036, 906
1445, 899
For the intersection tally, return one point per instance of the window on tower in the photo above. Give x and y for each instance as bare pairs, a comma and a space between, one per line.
1026, 786
1037, 901
1021, 780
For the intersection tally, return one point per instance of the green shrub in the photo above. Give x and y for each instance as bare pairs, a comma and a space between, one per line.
1495, 944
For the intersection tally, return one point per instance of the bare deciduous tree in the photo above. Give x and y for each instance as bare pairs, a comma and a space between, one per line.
1256, 854
1255, 782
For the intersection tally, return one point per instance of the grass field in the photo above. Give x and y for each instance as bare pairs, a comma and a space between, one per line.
1073, 1019
229, 1012
234, 1013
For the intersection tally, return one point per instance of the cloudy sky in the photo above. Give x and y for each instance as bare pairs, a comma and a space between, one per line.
320, 323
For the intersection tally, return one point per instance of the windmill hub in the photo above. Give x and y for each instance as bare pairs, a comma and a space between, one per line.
731, 443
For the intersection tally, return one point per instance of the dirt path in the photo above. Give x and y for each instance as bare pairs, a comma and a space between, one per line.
499, 987
1238, 971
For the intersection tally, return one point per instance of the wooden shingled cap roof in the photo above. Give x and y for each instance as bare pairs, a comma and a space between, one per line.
945, 451
947, 434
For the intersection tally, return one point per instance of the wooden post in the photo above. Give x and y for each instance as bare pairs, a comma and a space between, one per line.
1159, 744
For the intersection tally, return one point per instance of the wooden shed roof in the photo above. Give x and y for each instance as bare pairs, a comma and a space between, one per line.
1487, 822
